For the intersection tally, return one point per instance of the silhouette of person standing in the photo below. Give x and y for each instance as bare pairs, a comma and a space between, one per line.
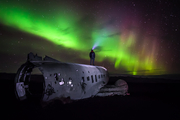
92, 57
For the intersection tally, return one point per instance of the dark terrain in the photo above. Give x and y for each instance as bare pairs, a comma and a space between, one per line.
149, 99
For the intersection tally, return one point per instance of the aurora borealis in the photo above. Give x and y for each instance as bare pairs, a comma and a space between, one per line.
137, 38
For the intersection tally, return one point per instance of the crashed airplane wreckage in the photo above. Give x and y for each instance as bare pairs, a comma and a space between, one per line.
64, 80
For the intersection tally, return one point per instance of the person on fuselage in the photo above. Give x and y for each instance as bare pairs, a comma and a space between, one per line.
92, 57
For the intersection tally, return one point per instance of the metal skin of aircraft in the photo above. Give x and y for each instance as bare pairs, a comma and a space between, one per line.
64, 80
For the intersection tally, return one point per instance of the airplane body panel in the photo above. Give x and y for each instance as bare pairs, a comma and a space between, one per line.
61, 80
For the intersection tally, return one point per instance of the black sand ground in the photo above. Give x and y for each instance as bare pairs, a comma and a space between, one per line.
149, 99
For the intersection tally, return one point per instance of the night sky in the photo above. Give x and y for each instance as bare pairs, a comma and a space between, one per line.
136, 37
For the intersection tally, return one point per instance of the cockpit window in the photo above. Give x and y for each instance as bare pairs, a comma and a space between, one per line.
92, 78
96, 78
88, 78
99, 76
82, 79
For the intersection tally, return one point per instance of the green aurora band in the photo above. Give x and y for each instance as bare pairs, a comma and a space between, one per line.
61, 29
